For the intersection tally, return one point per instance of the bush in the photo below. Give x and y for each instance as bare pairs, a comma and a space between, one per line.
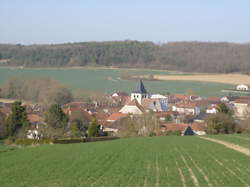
173, 133
68, 141
220, 123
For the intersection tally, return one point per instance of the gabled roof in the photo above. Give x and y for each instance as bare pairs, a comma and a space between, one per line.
140, 88
186, 105
34, 118
134, 102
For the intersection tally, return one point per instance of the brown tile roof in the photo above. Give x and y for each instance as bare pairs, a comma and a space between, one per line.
242, 101
34, 118
134, 102
175, 127
199, 126
186, 105
146, 102
116, 116
183, 126
181, 96
101, 116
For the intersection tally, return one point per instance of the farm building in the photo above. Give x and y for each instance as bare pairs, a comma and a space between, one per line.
243, 87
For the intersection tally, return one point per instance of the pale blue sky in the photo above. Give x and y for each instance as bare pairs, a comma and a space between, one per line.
59, 21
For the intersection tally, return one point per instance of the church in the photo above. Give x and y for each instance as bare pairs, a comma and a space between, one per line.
141, 101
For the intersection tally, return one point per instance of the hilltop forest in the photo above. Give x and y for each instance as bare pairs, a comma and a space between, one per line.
208, 57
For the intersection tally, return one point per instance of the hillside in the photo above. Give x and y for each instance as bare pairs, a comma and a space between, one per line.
207, 57
151, 161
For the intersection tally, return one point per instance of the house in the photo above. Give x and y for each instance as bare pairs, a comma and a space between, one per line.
241, 108
199, 128
139, 93
163, 115
184, 129
101, 117
243, 87
132, 107
36, 121
211, 109
229, 99
157, 96
156, 105
187, 108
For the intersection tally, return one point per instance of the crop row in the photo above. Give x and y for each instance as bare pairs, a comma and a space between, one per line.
156, 161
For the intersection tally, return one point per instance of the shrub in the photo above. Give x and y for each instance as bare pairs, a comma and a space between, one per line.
173, 133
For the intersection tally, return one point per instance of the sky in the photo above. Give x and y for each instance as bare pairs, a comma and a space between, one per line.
160, 21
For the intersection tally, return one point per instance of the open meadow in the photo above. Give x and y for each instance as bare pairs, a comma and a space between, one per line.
150, 161
108, 81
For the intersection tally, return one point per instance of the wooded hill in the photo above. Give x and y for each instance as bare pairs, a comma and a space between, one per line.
182, 56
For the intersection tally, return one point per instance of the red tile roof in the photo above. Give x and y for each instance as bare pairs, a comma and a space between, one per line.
242, 101
116, 116
34, 118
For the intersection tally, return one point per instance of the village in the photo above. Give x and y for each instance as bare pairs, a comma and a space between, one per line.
171, 114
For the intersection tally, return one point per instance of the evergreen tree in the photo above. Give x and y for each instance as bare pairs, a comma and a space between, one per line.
93, 129
223, 108
17, 119
56, 118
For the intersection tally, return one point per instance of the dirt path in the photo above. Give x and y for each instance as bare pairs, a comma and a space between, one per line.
230, 145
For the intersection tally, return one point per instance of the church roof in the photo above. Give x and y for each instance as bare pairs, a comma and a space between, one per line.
140, 88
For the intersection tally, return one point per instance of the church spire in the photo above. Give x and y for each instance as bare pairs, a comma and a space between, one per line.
140, 88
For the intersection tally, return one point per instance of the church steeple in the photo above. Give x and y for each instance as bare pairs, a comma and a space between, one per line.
140, 92
140, 88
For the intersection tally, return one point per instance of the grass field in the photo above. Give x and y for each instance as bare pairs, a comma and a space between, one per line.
156, 161
238, 139
107, 80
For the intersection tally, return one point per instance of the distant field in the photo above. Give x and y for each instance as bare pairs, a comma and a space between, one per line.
151, 161
107, 80
218, 78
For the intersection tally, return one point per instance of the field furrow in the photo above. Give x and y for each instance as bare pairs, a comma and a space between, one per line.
151, 161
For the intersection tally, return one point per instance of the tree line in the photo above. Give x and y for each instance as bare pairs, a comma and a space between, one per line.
183, 56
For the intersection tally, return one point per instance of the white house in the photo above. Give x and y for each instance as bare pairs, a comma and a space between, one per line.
212, 109
157, 96
243, 87
186, 108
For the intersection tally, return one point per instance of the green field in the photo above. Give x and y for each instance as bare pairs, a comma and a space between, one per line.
107, 80
238, 139
151, 161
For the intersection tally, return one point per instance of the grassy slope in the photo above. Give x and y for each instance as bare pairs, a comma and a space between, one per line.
154, 161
